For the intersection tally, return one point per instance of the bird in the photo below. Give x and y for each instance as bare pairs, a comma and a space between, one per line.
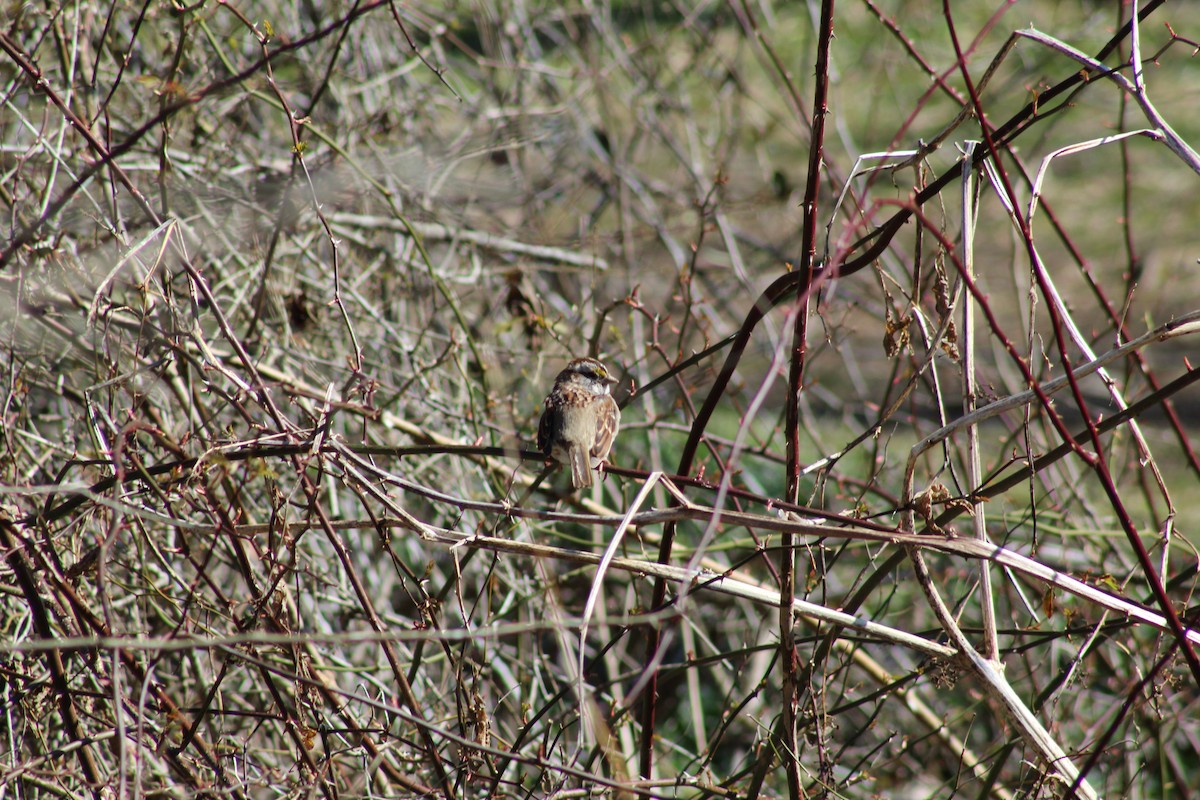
580, 419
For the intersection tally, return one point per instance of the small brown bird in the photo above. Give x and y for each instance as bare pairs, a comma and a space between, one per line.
580, 419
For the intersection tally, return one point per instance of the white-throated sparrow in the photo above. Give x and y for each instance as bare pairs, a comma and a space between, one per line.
580, 419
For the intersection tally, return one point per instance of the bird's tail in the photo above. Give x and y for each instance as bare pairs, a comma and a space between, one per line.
581, 468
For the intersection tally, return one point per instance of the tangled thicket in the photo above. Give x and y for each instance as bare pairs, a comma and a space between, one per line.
284, 287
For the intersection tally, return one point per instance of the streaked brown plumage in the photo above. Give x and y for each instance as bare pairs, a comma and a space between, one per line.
580, 419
